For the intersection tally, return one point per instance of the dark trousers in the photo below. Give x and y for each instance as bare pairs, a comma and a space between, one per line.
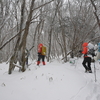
87, 63
41, 57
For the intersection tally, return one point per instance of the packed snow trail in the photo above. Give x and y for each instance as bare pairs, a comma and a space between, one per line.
94, 91
54, 81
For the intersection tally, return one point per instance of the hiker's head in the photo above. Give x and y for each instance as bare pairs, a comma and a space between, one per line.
85, 44
40, 45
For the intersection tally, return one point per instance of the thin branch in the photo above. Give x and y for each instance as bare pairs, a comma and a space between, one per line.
11, 39
95, 13
43, 5
94, 39
80, 43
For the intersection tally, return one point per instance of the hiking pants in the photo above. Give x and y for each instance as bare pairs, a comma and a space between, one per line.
87, 63
41, 57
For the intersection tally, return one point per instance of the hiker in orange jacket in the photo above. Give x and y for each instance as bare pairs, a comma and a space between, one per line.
40, 55
87, 59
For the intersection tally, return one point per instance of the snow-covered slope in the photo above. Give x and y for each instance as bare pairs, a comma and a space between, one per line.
54, 81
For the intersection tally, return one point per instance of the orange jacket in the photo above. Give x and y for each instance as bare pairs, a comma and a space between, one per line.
85, 49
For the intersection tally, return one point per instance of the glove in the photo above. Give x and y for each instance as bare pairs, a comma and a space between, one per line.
80, 51
39, 53
93, 54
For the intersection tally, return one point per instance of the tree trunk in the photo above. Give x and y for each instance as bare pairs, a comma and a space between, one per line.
15, 57
24, 38
49, 49
22, 46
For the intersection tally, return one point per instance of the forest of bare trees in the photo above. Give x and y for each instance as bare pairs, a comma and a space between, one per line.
61, 25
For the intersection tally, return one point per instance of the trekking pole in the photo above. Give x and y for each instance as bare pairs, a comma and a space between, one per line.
94, 70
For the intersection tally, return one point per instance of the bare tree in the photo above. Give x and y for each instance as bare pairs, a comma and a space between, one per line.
96, 11
14, 57
82, 25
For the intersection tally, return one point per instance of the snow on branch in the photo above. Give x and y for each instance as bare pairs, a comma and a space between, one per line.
11, 39
43, 5
17, 65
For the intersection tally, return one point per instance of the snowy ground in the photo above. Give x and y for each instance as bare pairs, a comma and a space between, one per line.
54, 81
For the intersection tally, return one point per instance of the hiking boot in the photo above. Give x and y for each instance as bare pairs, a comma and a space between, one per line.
90, 71
38, 62
86, 71
43, 63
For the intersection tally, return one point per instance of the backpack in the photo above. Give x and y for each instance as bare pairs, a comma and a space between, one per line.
91, 50
43, 52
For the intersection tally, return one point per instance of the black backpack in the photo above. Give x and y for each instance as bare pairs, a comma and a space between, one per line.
91, 52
